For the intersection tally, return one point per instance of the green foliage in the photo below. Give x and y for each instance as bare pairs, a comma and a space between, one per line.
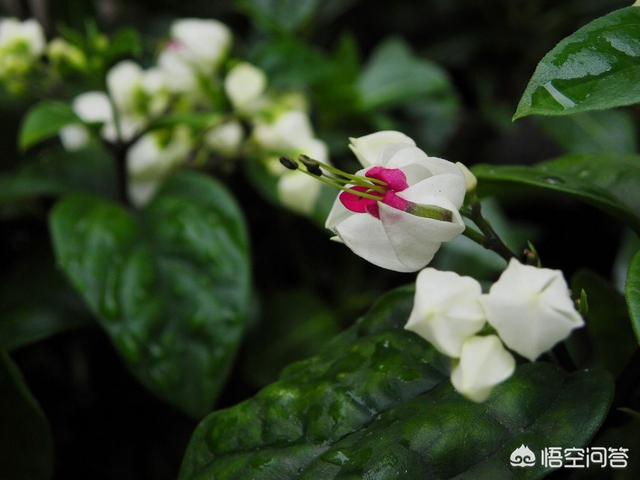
25, 437
611, 341
609, 182
44, 121
376, 403
280, 15
632, 293
294, 325
609, 131
170, 286
595, 68
58, 172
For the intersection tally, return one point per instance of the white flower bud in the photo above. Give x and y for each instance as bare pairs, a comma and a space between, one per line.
244, 85
14, 32
226, 138
74, 137
202, 43
446, 310
531, 309
484, 363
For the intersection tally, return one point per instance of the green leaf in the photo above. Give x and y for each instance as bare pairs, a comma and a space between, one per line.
25, 437
377, 403
37, 302
595, 68
194, 120
170, 286
44, 121
89, 170
394, 76
611, 131
294, 325
609, 182
611, 341
632, 293
280, 15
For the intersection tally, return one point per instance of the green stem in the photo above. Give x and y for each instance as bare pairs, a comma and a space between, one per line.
487, 236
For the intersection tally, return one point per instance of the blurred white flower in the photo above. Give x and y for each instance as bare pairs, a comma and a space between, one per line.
27, 36
90, 107
483, 364
401, 231
446, 310
225, 138
244, 85
74, 137
203, 43
298, 191
531, 309
149, 161
290, 131
61, 52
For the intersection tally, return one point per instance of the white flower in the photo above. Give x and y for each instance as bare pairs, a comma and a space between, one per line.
124, 82
297, 191
484, 363
370, 148
387, 233
531, 309
14, 33
149, 162
226, 138
446, 311
203, 43
244, 85
74, 137
290, 131
180, 76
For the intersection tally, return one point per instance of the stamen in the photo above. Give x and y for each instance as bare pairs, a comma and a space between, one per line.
307, 161
288, 163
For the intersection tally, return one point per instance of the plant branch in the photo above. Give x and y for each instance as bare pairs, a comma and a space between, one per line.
487, 236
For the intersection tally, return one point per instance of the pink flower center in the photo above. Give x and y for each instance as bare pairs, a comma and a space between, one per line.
395, 180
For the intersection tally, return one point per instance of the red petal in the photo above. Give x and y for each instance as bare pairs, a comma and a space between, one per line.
395, 178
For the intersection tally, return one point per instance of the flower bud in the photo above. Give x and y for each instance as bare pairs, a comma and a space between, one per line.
484, 363
244, 85
531, 309
446, 310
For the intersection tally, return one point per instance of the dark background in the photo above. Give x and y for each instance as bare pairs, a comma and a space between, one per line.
105, 425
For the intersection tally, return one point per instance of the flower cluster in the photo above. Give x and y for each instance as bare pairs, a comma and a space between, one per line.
528, 309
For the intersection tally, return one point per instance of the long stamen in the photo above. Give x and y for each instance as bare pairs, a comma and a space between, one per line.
332, 182
308, 161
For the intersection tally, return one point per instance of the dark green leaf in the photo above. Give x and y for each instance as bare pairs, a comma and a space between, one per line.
44, 121
611, 131
394, 76
171, 286
611, 340
596, 68
294, 325
377, 403
25, 437
37, 302
55, 173
609, 182
632, 293
280, 15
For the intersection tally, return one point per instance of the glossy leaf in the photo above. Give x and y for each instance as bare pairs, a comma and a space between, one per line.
377, 403
609, 182
632, 293
170, 286
25, 437
611, 342
595, 68
44, 121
